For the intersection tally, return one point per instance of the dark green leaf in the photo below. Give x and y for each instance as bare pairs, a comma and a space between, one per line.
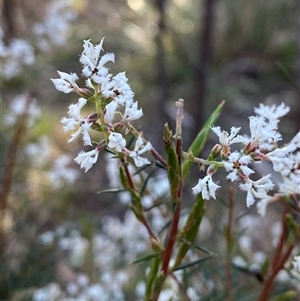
189, 264
199, 142
145, 257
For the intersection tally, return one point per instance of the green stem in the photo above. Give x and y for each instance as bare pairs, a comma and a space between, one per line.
135, 195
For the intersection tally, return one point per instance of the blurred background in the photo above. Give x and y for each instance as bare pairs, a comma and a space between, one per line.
61, 239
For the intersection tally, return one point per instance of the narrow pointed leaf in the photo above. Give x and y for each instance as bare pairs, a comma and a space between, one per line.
111, 190
145, 258
151, 276
286, 296
190, 229
199, 142
204, 250
190, 264
146, 182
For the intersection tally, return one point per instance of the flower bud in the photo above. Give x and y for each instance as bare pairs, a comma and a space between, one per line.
215, 152
93, 117
156, 246
211, 170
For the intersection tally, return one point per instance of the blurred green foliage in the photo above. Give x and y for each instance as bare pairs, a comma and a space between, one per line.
254, 57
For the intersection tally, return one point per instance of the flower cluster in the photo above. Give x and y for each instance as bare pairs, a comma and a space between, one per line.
262, 145
115, 108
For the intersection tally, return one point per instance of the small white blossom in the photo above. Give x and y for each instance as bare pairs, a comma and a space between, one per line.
93, 66
87, 159
237, 164
60, 173
110, 112
132, 112
139, 149
296, 263
257, 189
289, 187
207, 187
291, 178
280, 159
116, 142
14, 56
261, 206
76, 119
272, 113
66, 83
263, 135
118, 89
20, 105
296, 140
226, 139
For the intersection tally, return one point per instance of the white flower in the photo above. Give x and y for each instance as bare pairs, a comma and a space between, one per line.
93, 66
116, 142
296, 263
118, 88
87, 159
66, 83
280, 159
110, 112
272, 113
60, 173
139, 149
296, 140
207, 187
19, 106
76, 119
237, 164
289, 186
256, 125
224, 138
257, 189
131, 112
261, 206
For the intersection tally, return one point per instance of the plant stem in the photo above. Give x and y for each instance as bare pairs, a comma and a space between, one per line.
167, 254
142, 217
278, 261
154, 153
229, 246
10, 164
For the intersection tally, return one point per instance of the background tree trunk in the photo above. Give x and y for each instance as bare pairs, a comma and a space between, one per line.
202, 68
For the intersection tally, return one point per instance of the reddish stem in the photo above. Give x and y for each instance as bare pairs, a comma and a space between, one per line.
278, 261
174, 227
159, 158
10, 164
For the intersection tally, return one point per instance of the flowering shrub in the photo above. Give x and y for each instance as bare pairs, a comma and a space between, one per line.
116, 110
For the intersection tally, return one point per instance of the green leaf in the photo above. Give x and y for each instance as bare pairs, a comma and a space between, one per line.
286, 296
199, 142
189, 264
152, 276
124, 179
157, 285
202, 249
141, 169
111, 190
153, 206
146, 181
158, 164
191, 228
172, 162
145, 257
